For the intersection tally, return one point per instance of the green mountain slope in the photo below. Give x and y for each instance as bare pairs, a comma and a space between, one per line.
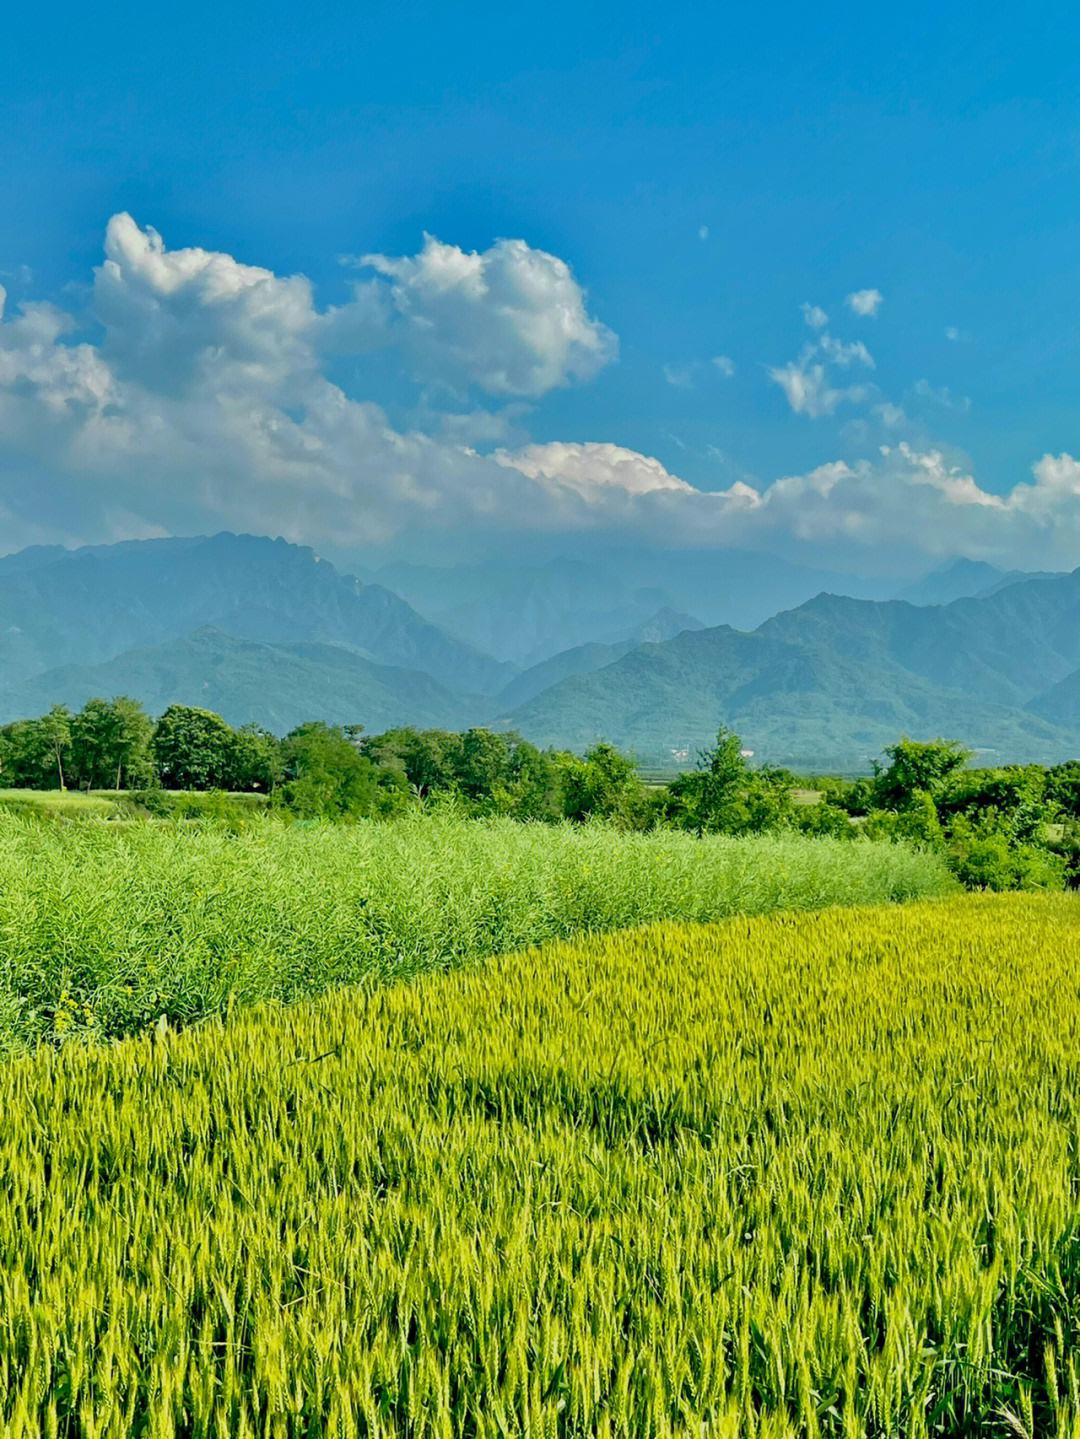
584, 659
90, 605
1061, 702
830, 683
1005, 647
278, 686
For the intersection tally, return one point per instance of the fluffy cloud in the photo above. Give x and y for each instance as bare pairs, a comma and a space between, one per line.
203, 399
904, 505
511, 320
806, 382
864, 302
595, 470
725, 364
814, 316
912, 502
846, 353
178, 318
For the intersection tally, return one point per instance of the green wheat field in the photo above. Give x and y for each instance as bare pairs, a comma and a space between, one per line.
802, 1174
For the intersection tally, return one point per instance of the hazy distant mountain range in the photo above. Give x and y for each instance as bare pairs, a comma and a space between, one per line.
265, 631
963, 579
527, 613
60, 607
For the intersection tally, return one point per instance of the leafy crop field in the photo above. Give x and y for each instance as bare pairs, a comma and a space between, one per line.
104, 927
812, 1175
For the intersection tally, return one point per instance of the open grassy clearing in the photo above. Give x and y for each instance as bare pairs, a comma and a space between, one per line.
105, 928
121, 805
803, 1175
56, 804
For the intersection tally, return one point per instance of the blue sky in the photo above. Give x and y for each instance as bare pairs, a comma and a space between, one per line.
703, 172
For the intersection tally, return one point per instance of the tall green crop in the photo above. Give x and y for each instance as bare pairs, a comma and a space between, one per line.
811, 1175
105, 928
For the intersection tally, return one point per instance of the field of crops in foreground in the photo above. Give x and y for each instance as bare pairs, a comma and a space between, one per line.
799, 1175
104, 928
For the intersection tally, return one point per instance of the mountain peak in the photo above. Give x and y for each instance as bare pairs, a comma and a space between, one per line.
90, 606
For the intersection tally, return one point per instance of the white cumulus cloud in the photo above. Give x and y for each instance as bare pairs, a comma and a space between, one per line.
846, 353
197, 393
808, 389
173, 318
595, 470
511, 319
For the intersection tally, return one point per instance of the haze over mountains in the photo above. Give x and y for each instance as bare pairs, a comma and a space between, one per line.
832, 682
526, 613
60, 607
632, 650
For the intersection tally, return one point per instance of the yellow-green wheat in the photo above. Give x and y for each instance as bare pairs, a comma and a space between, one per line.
814, 1175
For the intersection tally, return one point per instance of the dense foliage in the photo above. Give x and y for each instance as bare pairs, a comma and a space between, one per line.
790, 1177
104, 928
1011, 827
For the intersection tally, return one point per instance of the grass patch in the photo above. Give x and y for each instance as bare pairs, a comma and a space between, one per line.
59, 804
103, 929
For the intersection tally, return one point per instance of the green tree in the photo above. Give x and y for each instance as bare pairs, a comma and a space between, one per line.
823, 819
1016, 800
193, 749
534, 789
769, 805
56, 729
915, 765
110, 744
255, 763
36, 753
711, 799
429, 759
327, 777
1063, 787
984, 856
483, 764
604, 785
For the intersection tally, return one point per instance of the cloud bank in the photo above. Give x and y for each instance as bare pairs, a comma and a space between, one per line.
195, 392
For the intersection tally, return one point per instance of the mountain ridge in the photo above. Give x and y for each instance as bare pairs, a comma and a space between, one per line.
837, 678
228, 675
268, 631
91, 605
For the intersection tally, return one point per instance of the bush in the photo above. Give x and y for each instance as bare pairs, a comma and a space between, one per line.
989, 859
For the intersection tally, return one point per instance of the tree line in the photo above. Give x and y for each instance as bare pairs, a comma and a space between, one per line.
1015, 826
